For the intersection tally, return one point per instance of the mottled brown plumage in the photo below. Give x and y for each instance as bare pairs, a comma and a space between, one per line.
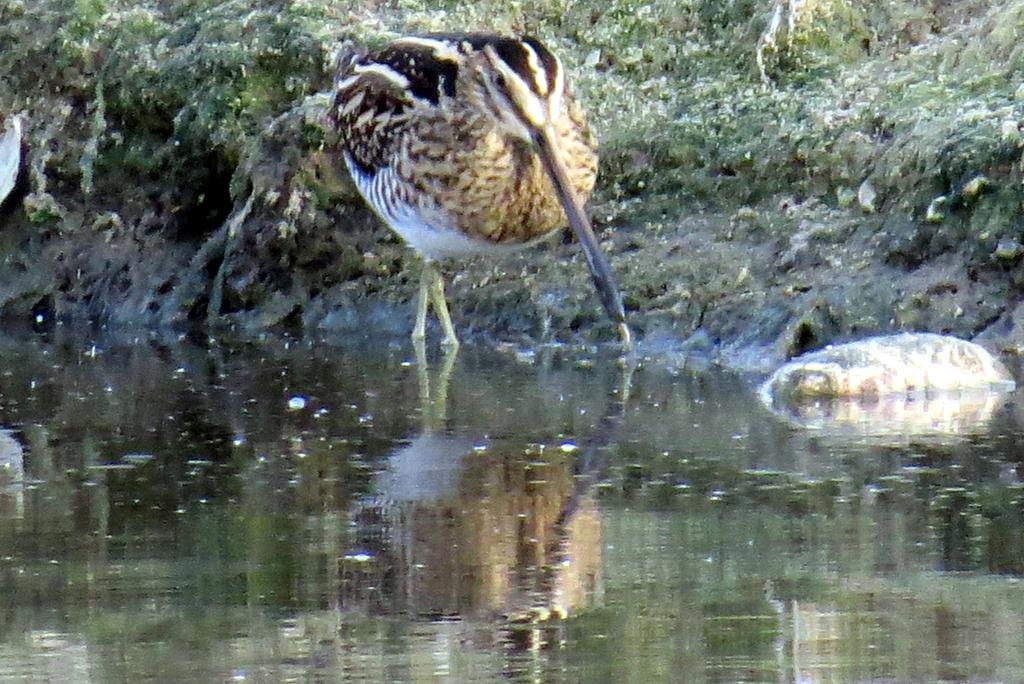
460, 142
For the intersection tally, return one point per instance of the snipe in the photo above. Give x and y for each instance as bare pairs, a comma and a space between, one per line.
470, 144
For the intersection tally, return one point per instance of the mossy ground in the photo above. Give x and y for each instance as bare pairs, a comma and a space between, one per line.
177, 170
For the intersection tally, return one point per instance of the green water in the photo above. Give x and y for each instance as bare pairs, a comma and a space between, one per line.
305, 511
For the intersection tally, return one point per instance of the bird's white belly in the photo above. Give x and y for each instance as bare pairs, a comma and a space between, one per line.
441, 243
430, 233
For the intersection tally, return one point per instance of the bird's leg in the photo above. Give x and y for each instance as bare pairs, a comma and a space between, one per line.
440, 304
419, 331
443, 380
433, 405
431, 293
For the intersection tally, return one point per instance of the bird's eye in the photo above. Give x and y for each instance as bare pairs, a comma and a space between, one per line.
499, 81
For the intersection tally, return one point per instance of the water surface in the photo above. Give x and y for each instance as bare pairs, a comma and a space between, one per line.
295, 510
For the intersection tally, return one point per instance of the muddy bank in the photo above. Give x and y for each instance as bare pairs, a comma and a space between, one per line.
771, 182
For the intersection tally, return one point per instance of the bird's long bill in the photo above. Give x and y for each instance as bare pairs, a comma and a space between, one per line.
600, 270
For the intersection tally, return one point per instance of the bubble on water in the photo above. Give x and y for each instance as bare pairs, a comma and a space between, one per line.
296, 403
525, 355
359, 557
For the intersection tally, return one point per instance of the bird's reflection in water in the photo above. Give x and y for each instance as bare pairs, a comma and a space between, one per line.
463, 528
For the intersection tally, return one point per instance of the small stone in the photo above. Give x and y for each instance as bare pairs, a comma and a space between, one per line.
935, 212
1010, 130
1008, 250
866, 196
10, 156
41, 207
108, 221
845, 196
745, 214
974, 187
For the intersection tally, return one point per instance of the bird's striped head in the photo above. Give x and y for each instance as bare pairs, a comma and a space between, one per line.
521, 84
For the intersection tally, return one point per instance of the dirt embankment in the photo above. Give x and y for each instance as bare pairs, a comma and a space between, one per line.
772, 179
